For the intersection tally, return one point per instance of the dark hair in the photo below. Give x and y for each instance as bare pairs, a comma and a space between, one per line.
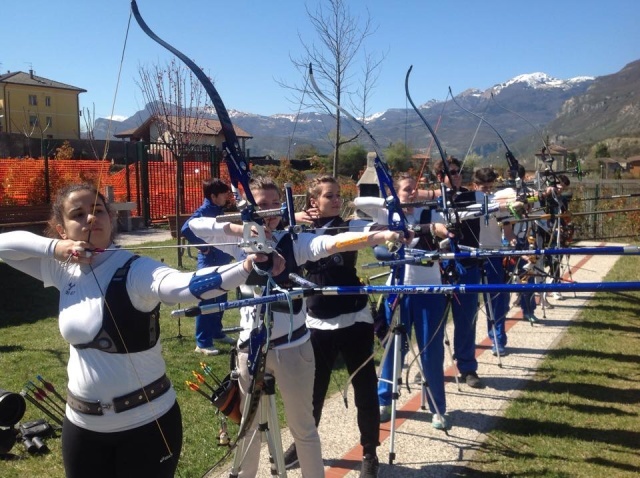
57, 207
485, 175
438, 166
214, 186
564, 180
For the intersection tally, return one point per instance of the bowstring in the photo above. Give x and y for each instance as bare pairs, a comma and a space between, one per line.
102, 293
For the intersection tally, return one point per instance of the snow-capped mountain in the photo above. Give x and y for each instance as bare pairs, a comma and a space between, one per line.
537, 97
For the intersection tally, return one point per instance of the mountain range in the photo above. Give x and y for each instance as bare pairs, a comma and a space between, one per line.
575, 113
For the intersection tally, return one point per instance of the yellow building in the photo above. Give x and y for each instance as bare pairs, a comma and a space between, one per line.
38, 107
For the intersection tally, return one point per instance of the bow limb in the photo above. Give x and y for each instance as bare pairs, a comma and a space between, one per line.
510, 157
382, 169
443, 156
239, 172
238, 166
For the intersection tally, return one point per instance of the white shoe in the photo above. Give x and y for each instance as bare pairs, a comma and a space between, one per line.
207, 350
226, 340
557, 296
439, 422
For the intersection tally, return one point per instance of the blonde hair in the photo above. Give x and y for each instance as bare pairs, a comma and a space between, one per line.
260, 183
315, 187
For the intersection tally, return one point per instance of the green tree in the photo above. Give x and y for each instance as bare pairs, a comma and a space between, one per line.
353, 159
398, 156
305, 151
602, 151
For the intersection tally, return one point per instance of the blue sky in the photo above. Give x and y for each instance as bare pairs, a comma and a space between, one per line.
245, 45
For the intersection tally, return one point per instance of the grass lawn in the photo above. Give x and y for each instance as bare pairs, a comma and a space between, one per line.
579, 416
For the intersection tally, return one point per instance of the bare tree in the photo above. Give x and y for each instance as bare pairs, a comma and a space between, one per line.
179, 104
32, 124
178, 101
89, 118
339, 50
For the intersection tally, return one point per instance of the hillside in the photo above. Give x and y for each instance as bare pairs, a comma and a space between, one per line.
575, 112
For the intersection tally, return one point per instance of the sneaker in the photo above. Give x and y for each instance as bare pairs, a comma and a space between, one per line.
472, 380
385, 413
290, 457
226, 340
207, 350
500, 349
370, 466
557, 296
439, 422
532, 319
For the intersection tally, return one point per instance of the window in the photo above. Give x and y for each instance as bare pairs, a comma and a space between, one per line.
49, 121
33, 120
47, 101
33, 100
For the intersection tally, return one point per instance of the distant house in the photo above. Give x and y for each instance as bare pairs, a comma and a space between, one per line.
611, 165
557, 152
633, 166
204, 131
38, 107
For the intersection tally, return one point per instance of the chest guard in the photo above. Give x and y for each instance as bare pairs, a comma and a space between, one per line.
336, 270
125, 329
285, 249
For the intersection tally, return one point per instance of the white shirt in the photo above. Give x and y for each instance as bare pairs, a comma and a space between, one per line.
93, 374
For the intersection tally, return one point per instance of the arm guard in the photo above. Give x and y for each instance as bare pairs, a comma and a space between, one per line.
205, 284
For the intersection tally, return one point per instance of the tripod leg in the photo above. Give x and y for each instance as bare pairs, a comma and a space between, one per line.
270, 428
447, 343
397, 365
492, 320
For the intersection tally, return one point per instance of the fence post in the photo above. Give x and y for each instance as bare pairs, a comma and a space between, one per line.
214, 162
143, 160
127, 178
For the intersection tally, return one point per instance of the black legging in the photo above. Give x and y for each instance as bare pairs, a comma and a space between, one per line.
355, 343
140, 452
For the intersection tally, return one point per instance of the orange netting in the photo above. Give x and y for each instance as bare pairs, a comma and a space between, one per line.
22, 182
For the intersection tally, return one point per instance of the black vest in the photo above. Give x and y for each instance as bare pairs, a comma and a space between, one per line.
122, 321
336, 270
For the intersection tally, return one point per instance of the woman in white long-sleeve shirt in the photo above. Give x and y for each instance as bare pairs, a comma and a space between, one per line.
122, 418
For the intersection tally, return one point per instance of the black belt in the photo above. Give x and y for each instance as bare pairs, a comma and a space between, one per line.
123, 403
295, 335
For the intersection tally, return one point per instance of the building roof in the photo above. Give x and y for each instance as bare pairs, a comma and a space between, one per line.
555, 149
30, 79
202, 126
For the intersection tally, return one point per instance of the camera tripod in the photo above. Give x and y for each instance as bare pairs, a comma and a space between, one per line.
268, 430
399, 338
488, 306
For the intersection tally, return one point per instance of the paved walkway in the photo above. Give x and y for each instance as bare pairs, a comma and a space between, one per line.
141, 236
422, 451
